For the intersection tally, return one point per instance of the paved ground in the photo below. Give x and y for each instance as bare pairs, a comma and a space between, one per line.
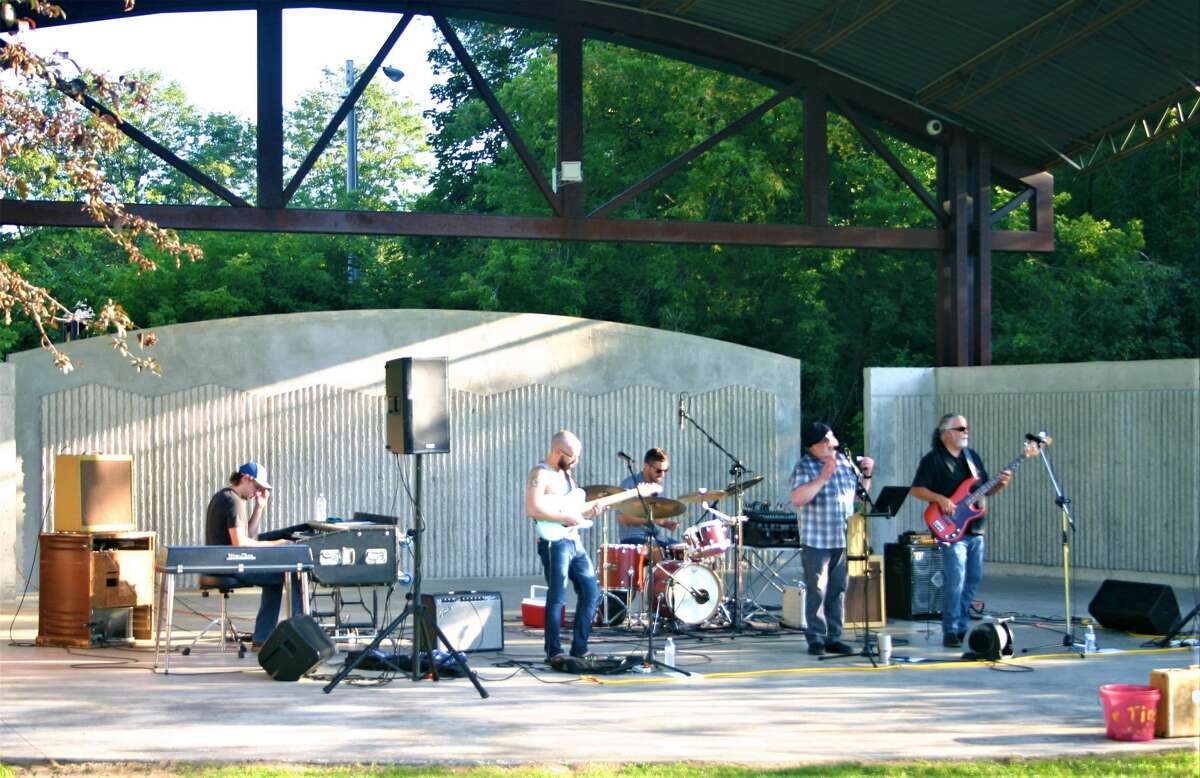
755, 699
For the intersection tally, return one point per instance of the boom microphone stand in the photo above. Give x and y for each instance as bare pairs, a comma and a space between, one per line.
425, 628
737, 470
648, 660
1068, 526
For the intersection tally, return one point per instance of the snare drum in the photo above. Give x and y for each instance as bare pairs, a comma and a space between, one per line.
689, 592
623, 566
709, 538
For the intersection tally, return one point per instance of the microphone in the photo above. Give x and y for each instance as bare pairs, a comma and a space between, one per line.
682, 410
625, 457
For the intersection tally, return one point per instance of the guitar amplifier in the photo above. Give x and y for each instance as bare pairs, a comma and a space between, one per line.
471, 621
914, 580
771, 529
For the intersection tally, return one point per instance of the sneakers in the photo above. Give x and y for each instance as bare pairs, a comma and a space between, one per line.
816, 649
952, 641
838, 647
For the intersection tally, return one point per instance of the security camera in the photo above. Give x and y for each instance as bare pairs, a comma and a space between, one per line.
933, 127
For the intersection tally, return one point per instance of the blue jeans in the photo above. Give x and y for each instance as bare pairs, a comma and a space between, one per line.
564, 560
826, 574
272, 598
962, 566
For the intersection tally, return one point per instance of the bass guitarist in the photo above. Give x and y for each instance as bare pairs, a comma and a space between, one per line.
942, 471
560, 509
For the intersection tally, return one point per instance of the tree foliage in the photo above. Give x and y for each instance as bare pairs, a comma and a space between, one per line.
1121, 283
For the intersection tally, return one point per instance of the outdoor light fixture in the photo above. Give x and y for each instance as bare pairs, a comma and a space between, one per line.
570, 173
395, 74
992, 640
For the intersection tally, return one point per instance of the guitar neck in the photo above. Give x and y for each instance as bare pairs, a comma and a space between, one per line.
613, 499
983, 490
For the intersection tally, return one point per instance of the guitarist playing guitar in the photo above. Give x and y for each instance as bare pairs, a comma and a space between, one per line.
560, 508
950, 465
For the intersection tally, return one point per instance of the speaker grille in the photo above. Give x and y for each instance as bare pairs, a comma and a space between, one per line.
914, 580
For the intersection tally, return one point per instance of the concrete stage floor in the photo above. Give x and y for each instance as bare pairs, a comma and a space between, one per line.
755, 699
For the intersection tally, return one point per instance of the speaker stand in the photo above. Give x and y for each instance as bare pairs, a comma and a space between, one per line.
426, 633
1178, 626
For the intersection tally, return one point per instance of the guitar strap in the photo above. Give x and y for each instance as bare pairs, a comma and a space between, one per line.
971, 463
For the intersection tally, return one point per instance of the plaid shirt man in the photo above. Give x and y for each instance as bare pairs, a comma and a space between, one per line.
823, 520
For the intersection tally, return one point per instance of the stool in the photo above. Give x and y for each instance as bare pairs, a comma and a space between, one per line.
223, 584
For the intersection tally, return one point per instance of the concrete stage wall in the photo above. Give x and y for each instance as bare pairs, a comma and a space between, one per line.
1126, 450
303, 394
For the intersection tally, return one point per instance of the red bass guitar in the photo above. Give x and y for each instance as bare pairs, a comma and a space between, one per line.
952, 528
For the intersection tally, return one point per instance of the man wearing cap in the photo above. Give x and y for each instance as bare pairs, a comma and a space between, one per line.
232, 519
824, 486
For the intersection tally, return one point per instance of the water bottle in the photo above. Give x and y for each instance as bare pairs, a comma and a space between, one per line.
1089, 640
669, 652
320, 509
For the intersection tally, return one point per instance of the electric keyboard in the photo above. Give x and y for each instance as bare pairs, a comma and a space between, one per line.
226, 560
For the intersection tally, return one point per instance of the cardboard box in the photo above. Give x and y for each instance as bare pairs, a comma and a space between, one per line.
1178, 712
533, 609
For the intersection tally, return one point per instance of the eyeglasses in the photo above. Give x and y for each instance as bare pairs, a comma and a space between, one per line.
661, 470
958, 429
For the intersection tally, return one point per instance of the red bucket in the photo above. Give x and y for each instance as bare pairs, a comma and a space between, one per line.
1129, 710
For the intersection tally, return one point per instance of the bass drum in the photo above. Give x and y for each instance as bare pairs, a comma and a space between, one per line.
689, 592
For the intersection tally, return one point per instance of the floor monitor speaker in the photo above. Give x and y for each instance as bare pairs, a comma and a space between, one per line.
1131, 606
295, 647
914, 580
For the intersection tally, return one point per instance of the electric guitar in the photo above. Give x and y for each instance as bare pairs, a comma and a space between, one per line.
952, 528
551, 530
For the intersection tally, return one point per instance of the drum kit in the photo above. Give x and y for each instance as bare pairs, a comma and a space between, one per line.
684, 582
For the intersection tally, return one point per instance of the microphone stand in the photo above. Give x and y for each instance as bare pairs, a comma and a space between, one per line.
862, 493
1068, 526
648, 660
736, 470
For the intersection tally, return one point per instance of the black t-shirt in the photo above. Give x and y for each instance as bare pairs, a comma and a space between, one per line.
942, 472
225, 511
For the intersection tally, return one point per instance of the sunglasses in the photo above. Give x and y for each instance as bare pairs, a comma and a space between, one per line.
958, 429
661, 470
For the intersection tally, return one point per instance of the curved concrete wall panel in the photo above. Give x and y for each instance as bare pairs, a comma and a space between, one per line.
303, 394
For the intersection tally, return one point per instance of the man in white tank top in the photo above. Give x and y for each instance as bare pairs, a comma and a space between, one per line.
552, 496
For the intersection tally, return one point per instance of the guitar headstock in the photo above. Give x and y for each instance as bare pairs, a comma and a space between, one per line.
1036, 441
649, 489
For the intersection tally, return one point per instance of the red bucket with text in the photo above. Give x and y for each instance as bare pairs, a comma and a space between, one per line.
1129, 710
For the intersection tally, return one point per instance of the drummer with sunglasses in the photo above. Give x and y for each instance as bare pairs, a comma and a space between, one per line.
635, 529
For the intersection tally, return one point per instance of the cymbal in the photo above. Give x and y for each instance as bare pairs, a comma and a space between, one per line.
661, 507
596, 491
733, 489
702, 495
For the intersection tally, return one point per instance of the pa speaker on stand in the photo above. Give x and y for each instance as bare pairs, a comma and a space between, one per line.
418, 405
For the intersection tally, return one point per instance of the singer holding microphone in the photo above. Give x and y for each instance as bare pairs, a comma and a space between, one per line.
824, 486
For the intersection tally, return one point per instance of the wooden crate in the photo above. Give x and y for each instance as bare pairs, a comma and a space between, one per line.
1178, 712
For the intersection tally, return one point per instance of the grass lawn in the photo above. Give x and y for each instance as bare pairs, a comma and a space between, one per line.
1181, 762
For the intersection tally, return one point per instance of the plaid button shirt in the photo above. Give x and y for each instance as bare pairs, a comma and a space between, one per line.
823, 520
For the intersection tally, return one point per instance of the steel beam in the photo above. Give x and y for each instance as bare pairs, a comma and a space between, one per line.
570, 115
501, 116
682, 159
344, 109
306, 220
816, 158
270, 104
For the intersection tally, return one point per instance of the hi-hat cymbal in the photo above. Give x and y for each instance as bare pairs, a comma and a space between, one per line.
703, 495
661, 507
734, 488
596, 491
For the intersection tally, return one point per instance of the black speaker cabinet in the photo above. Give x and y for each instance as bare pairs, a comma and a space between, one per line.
295, 647
1147, 608
418, 406
914, 580
471, 621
